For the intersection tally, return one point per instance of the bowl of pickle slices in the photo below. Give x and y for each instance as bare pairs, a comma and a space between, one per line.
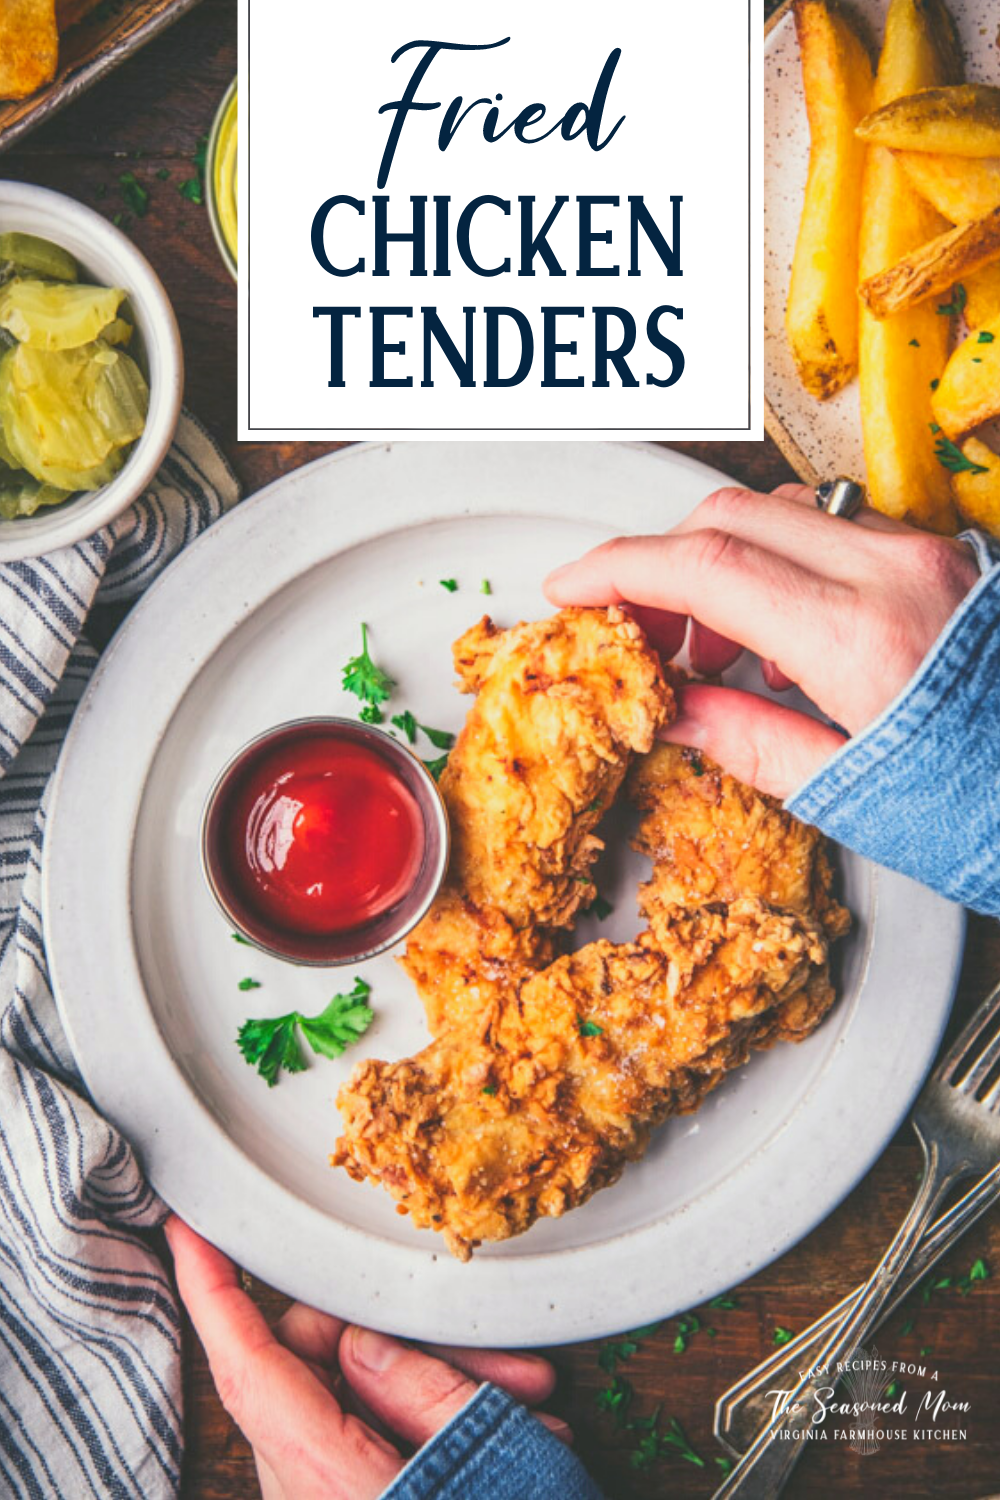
91, 371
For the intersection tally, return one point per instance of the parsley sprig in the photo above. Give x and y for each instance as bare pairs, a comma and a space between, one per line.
271, 1043
365, 678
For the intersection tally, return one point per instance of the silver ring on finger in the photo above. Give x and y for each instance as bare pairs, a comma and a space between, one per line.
841, 497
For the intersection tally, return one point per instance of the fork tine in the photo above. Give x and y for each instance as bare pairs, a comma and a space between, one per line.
981, 1066
964, 1043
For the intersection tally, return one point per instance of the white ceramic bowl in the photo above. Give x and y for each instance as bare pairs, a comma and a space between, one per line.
108, 258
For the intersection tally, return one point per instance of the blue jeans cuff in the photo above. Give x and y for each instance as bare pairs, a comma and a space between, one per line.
493, 1449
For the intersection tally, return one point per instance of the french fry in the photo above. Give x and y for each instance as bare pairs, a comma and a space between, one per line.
968, 392
960, 187
900, 356
933, 268
29, 46
960, 121
982, 294
977, 488
821, 318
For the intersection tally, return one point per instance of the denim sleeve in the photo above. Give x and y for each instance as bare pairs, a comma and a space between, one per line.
493, 1450
919, 789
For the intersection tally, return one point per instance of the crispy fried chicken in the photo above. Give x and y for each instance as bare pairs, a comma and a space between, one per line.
712, 838
530, 1112
547, 1076
560, 706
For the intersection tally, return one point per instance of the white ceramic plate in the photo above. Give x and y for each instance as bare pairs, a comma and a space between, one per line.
250, 626
821, 438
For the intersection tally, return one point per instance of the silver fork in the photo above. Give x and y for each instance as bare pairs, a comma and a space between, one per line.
957, 1121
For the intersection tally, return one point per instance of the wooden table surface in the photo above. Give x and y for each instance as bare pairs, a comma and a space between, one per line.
149, 116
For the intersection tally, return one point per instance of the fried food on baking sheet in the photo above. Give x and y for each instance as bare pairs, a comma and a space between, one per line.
977, 487
959, 187
29, 46
934, 268
968, 393
542, 1103
961, 120
561, 705
712, 838
821, 318
462, 958
899, 357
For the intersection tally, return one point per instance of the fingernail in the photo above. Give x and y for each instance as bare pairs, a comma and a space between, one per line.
556, 1426
684, 730
373, 1350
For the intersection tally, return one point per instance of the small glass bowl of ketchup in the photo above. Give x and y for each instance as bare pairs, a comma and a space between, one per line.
324, 841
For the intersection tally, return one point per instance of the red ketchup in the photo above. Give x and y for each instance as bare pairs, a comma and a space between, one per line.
318, 834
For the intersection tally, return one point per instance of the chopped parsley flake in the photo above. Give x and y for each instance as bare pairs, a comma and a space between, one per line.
984, 336
441, 739
370, 713
590, 1028
407, 724
249, 984
484, 587
914, 343
135, 195
435, 767
782, 1336
726, 1300
978, 1271
956, 306
953, 459
451, 584
490, 1089
615, 1399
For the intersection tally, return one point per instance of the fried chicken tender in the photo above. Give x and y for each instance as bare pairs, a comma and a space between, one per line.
712, 838
542, 1103
463, 957
561, 705
548, 1074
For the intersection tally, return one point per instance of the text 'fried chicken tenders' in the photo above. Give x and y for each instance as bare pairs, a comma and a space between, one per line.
486, 1131
560, 706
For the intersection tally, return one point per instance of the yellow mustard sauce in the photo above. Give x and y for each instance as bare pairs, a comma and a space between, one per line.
223, 166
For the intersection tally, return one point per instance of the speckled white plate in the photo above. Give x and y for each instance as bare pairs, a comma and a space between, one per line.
249, 627
821, 438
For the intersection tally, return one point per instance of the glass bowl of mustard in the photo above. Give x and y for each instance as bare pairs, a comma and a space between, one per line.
221, 177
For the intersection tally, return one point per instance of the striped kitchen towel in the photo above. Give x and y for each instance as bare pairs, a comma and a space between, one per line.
90, 1380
